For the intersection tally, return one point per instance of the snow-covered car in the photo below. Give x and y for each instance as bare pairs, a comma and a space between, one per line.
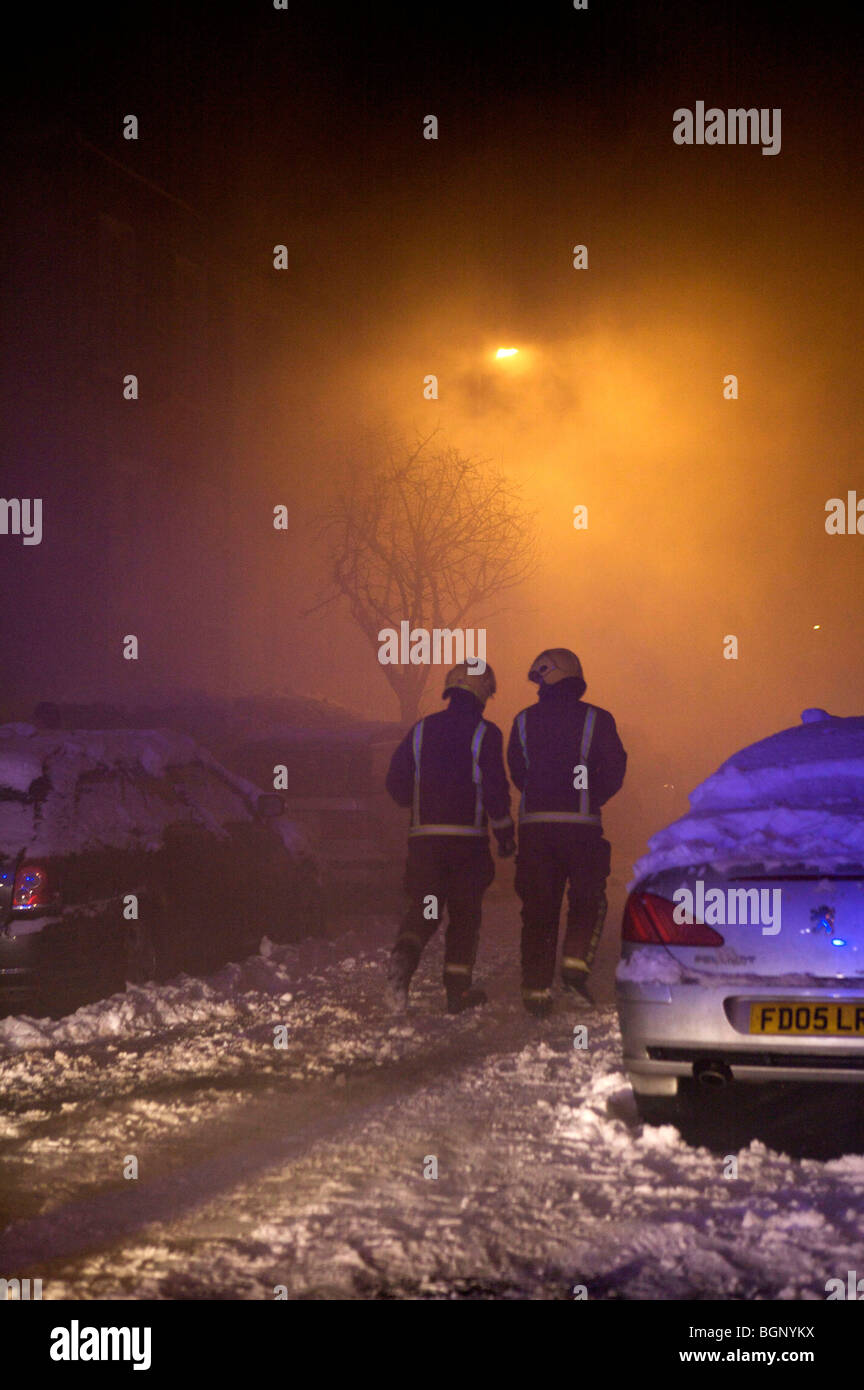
743, 933
128, 855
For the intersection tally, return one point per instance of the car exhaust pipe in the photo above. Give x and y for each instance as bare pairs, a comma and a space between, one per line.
713, 1074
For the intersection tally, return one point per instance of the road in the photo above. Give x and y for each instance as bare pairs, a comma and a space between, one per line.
307, 1170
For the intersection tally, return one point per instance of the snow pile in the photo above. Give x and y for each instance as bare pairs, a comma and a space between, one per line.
794, 798
233, 993
649, 965
19, 767
64, 792
24, 749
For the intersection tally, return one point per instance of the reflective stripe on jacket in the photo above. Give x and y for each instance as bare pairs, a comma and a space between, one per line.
450, 770
549, 741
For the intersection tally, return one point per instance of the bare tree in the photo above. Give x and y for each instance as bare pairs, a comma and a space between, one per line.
426, 536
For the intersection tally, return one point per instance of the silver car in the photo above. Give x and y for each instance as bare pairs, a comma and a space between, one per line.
743, 934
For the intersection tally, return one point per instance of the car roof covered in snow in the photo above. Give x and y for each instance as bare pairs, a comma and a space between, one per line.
796, 797
819, 760
24, 751
65, 791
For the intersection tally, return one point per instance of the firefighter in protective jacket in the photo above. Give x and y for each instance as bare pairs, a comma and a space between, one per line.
567, 760
449, 769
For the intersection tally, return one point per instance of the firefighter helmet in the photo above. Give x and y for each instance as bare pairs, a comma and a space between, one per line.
553, 665
480, 685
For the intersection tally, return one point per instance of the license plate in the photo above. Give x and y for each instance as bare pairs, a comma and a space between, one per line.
831, 1020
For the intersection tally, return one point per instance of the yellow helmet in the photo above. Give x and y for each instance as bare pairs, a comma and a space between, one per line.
554, 665
463, 678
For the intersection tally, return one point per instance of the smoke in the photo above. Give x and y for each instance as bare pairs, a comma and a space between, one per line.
411, 259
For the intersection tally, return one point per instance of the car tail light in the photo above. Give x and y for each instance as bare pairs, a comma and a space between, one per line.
649, 919
31, 888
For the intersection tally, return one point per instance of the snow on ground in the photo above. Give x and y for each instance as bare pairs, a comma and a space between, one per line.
795, 797
303, 1168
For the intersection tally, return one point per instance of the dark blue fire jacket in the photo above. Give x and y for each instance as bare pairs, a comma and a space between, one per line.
549, 741
450, 770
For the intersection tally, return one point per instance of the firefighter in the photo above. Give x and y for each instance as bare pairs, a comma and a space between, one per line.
449, 769
567, 760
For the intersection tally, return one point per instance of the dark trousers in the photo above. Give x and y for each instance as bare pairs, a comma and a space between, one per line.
451, 871
552, 856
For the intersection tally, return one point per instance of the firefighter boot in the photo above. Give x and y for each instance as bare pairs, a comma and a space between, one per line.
575, 982
400, 968
459, 998
577, 987
538, 1002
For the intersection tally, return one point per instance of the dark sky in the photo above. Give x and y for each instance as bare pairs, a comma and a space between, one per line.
411, 256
